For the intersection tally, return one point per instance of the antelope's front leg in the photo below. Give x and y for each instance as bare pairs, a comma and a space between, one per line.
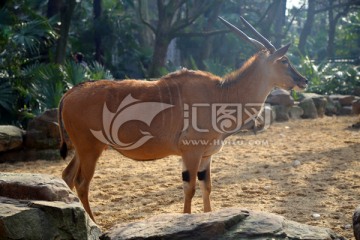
190, 169
204, 176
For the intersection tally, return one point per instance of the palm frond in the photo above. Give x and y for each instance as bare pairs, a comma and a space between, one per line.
7, 95
98, 71
74, 73
48, 85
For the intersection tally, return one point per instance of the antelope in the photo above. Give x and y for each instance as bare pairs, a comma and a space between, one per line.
149, 120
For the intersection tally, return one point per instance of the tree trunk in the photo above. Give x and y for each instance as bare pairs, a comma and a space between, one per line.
158, 60
307, 26
331, 33
333, 20
207, 45
279, 23
66, 12
53, 8
97, 7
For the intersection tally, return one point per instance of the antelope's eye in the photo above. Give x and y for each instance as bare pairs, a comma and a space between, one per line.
284, 61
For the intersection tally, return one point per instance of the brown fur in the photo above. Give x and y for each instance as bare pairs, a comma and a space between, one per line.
81, 109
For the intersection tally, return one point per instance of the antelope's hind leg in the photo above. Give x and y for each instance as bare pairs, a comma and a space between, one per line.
69, 173
204, 176
87, 163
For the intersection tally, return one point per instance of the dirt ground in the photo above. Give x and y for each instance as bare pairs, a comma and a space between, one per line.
295, 169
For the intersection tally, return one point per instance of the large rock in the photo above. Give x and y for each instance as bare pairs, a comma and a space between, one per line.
356, 107
280, 97
320, 102
43, 131
345, 100
332, 107
309, 108
26, 155
356, 223
231, 223
281, 113
34, 206
295, 112
345, 110
11, 137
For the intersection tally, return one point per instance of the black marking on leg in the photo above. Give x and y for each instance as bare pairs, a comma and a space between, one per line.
202, 175
186, 176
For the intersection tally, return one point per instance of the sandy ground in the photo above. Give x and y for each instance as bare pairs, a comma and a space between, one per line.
254, 172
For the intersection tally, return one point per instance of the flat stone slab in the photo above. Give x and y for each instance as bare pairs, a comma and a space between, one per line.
230, 223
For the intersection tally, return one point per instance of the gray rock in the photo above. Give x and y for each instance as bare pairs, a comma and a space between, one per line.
345, 100
29, 155
311, 95
345, 110
11, 137
356, 107
35, 206
320, 104
281, 113
295, 112
332, 107
309, 108
35, 187
43, 132
231, 223
356, 223
280, 97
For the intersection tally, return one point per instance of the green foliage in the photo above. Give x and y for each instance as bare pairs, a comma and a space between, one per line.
331, 78
7, 95
74, 73
216, 67
98, 72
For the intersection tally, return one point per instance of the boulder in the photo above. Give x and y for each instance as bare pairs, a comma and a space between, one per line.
29, 155
280, 97
281, 113
295, 112
43, 132
356, 107
332, 107
344, 100
310, 95
11, 137
36, 187
356, 223
230, 223
35, 206
345, 110
308, 105
320, 102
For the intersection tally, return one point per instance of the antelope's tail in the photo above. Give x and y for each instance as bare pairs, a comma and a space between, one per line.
63, 145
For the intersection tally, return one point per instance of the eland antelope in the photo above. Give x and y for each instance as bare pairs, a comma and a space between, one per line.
148, 120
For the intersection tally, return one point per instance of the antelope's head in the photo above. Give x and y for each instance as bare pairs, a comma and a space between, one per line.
279, 70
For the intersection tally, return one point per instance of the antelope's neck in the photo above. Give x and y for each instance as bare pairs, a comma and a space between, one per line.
246, 87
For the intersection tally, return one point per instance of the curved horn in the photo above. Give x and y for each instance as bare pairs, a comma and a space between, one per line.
242, 35
261, 38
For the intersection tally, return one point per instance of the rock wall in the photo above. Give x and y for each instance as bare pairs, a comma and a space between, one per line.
41, 140
37, 206
34, 206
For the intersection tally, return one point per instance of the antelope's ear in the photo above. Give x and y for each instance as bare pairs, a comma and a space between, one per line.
279, 53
